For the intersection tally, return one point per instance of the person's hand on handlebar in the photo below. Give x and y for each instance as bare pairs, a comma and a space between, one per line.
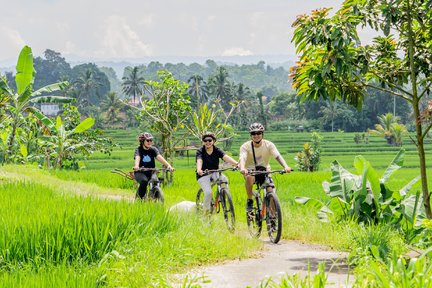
170, 168
244, 171
136, 168
288, 169
200, 172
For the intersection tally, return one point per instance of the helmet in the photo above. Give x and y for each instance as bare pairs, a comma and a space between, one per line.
208, 134
144, 136
256, 127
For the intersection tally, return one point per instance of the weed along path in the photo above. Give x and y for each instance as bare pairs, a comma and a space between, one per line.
276, 261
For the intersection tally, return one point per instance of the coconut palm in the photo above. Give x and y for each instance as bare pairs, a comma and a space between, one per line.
198, 89
133, 83
220, 88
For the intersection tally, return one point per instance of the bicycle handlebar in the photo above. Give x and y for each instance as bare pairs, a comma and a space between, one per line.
255, 172
205, 172
152, 169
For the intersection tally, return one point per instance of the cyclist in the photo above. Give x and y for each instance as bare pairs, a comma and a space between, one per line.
145, 155
256, 154
207, 158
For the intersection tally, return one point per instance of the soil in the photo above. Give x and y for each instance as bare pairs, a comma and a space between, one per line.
284, 258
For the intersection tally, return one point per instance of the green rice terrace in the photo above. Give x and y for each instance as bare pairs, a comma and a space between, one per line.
65, 227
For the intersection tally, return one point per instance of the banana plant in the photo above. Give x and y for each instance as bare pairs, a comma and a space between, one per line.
22, 99
365, 197
61, 143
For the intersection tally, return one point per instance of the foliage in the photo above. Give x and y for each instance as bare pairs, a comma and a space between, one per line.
398, 272
206, 119
390, 129
335, 65
22, 100
361, 138
133, 83
167, 109
366, 198
310, 158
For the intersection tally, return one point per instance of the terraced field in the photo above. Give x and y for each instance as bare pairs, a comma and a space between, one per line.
335, 146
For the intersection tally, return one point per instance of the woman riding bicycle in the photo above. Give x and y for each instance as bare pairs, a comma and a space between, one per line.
145, 155
207, 158
255, 155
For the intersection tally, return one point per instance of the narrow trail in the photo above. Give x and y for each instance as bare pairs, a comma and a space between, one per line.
285, 258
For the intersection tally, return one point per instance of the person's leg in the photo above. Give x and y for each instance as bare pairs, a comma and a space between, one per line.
142, 179
249, 181
205, 185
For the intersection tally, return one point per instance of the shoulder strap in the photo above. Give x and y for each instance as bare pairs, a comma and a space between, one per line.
253, 152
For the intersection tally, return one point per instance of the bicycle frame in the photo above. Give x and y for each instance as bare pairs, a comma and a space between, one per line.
220, 184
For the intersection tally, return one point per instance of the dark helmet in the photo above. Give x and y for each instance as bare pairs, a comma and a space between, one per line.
208, 134
144, 136
256, 127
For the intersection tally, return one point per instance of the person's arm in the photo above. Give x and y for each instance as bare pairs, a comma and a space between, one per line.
279, 158
242, 160
162, 160
137, 161
230, 160
199, 163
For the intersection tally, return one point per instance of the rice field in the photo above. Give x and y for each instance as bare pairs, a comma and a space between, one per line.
64, 228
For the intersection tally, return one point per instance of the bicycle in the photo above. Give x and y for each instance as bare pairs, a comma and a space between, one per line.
154, 191
266, 206
221, 198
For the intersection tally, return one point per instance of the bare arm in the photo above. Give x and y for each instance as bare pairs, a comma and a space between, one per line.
137, 161
282, 162
161, 159
199, 166
230, 160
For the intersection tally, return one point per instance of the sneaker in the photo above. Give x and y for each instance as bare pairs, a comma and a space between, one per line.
249, 205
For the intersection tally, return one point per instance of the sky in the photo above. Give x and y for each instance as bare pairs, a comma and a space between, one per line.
129, 29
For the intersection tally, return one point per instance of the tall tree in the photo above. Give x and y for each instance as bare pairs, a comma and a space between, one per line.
220, 88
133, 83
197, 88
334, 64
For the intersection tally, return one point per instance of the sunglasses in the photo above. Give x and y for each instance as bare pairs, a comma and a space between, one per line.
208, 140
149, 140
256, 133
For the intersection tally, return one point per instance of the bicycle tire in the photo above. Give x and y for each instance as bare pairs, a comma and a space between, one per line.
228, 209
157, 194
253, 218
273, 217
199, 201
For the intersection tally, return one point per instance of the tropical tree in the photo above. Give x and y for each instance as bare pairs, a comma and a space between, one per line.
85, 83
390, 129
198, 89
111, 106
23, 99
133, 83
167, 109
220, 88
334, 64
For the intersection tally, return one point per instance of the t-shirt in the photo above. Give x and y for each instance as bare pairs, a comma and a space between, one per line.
210, 161
262, 154
147, 156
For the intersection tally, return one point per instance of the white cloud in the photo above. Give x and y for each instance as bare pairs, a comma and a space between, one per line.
11, 39
120, 40
237, 51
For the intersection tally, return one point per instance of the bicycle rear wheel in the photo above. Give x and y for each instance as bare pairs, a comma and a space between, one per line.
228, 209
273, 217
157, 194
253, 218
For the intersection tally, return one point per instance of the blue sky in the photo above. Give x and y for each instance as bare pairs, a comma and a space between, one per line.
122, 30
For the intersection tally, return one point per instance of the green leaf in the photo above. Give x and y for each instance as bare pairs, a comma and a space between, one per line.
25, 70
396, 164
84, 125
23, 150
58, 122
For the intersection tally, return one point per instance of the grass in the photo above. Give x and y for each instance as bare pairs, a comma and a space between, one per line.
53, 234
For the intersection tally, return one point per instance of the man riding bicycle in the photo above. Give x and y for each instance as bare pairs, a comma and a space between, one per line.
145, 155
207, 158
255, 155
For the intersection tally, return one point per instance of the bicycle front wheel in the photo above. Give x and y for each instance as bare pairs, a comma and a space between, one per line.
273, 218
253, 217
228, 209
157, 194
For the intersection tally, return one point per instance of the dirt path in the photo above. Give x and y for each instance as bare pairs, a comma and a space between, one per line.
287, 257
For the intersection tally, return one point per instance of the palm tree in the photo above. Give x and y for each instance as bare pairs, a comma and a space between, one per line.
112, 106
85, 84
133, 83
221, 88
197, 88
